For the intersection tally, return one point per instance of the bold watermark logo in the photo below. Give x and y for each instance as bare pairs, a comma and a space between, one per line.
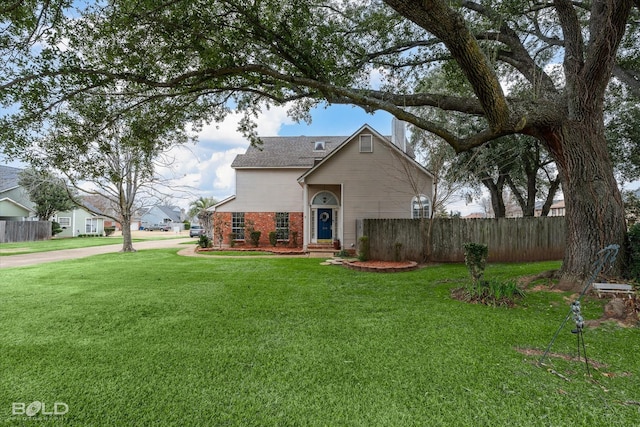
37, 407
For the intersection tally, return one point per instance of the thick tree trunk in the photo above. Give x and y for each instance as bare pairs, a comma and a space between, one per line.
127, 243
594, 208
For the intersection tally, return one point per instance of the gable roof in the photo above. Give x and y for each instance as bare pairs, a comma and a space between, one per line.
286, 152
368, 128
8, 178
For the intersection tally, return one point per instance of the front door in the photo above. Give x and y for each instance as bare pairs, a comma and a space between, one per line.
324, 224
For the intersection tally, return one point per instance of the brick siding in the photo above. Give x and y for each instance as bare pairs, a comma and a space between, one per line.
265, 222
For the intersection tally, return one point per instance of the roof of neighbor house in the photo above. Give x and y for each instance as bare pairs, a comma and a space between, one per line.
8, 178
171, 212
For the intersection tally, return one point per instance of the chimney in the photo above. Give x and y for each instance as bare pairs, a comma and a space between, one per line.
398, 134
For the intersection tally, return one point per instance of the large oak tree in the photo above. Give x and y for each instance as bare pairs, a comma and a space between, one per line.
244, 54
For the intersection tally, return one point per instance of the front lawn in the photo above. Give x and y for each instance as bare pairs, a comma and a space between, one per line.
152, 338
56, 244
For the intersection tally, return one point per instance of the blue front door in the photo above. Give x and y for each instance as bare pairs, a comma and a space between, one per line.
324, 224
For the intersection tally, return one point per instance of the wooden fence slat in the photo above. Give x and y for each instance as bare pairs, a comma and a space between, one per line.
509, 239
24, 231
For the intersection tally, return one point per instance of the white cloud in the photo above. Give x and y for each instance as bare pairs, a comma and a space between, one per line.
204, 169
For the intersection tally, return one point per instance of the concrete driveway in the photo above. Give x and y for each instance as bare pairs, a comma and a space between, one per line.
52, 256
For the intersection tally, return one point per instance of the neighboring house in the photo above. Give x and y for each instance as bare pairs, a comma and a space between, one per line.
14, 200
170, 215
80, 221
320, 187
556, 209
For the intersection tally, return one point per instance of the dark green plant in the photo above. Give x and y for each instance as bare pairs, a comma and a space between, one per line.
232, 239
187, 224
633, 269
55, 228
204, 241
475, 257
494, 292
364, 249
397, 252
273, 238
254, 236
108, 231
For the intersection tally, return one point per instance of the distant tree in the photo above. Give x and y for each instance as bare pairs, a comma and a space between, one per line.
110, 155
201, 204
48, 192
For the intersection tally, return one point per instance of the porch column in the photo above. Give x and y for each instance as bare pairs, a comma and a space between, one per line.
306, 233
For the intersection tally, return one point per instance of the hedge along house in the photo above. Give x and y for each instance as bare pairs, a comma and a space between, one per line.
319, 187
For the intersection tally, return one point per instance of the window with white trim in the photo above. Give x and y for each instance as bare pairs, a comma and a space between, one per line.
91, 225
366, 143
420, 207
64, 221
282, 225
237, 225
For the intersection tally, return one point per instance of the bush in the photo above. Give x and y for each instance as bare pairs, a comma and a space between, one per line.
108, 231
55, 228
273, 238
204, 241
494, 292
364, 253
634, 252
232, 239
294, 238
475, 257
187, 225
254, 236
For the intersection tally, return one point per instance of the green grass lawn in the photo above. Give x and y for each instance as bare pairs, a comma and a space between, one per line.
18, 248
152, 338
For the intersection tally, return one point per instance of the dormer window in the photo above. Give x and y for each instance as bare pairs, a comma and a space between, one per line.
319, 146
366, 143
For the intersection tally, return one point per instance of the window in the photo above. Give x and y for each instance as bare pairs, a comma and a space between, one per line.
420, 207
64, 221
366, 144
237, 225
319, 146
91, 226
282, 225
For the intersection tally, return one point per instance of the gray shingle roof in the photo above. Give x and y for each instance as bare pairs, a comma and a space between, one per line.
8, 177
286, 151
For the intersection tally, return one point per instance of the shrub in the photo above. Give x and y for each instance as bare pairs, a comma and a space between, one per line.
493, 292
108, 231
273, 238
187, 225
294, 238
232, 239
364, 253
55, 228
254, 236
634, 252
204, 241
475, 257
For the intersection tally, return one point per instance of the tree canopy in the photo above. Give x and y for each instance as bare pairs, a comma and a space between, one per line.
211, 57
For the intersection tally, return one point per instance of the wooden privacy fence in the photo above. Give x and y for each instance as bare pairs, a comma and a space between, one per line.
24, 231
509, 239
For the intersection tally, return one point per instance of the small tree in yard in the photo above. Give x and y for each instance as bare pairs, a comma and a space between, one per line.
49, 193
475, 257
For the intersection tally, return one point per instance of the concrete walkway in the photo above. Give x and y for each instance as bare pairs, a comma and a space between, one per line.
52, 256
